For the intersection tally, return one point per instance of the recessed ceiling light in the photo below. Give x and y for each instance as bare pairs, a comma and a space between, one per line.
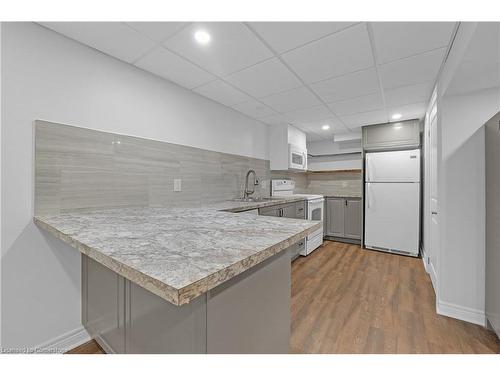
202, 37
396, 116
325, 127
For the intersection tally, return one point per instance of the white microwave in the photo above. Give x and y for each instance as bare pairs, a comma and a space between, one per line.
297, 158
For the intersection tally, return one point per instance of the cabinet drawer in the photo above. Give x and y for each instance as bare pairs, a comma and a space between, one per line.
270, 211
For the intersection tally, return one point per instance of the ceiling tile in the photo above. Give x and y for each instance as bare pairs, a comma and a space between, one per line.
307, 115
114, 38
343, 52
365, 118
348, 86
291, 100
395, 40
409, 111
283, 36
265, 78
158, 31
275, 120
416, 69
361, 104
174, 68
420, 92
316, 126
222, 92
232, 47
255, 109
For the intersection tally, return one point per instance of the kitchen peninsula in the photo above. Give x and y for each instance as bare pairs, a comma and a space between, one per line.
162, 271
186, 279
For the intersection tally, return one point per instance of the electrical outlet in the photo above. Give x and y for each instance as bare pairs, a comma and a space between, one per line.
177, 184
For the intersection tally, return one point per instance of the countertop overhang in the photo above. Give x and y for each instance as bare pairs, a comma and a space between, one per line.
179, 253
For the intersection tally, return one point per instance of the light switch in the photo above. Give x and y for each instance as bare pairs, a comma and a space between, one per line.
177, 184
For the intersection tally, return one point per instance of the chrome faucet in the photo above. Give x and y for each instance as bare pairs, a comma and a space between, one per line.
249, 192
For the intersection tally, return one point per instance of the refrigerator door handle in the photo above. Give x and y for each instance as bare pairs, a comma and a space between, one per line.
368, 195
368, 167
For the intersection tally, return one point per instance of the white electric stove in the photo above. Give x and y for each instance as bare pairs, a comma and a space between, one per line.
314, 210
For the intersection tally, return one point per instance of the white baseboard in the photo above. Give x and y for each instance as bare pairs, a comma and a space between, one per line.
460, 312
65, 342
433, 275
424, 259
429, 268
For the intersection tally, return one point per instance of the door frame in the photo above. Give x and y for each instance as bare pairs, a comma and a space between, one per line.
431, 114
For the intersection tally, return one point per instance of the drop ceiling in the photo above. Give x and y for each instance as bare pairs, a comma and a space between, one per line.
308, 74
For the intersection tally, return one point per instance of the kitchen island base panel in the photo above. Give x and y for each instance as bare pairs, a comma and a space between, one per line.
248, 314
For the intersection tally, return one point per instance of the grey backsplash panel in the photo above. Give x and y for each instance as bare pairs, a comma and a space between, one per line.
81, 169
347, 183
338, 183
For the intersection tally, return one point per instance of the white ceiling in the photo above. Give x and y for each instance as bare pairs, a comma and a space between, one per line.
306, 74
480, 66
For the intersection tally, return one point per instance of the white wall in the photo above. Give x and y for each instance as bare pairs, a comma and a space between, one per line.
347, 161
464, 107
47, 76
462, 203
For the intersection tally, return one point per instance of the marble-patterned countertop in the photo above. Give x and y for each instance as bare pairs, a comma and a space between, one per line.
178, 253
343, 196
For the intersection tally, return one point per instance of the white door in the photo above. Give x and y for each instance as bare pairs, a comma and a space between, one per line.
392, 216
393, 166
433, 250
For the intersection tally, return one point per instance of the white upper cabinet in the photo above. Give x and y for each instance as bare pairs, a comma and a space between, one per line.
287, 148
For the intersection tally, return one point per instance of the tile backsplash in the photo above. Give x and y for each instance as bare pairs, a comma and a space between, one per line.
338, 183
82, 169
79, 169
347, 183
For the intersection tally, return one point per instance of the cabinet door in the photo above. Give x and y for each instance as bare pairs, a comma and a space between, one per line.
335, 217
391, 136
300, 210
289, 210
270, 211
352, 218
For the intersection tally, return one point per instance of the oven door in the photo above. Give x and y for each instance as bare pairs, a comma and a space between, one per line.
314, 213
315, 209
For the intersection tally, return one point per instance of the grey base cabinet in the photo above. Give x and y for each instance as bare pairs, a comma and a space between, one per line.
295, 210
247, 314
343, 219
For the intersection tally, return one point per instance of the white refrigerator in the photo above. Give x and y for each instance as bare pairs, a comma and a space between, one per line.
392, 201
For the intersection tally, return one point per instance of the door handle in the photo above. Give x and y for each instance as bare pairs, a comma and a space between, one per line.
434, 213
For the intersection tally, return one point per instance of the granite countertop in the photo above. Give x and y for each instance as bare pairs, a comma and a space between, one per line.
343, 196
178, 253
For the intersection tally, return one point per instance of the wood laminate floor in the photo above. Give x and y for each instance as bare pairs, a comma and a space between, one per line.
91, 347
349, 300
